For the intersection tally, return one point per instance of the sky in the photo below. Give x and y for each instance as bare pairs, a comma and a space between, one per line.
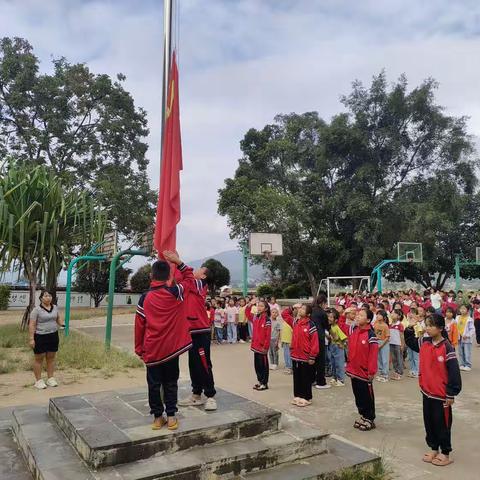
243, 62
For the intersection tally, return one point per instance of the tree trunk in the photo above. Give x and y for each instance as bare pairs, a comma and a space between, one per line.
441, 281
32, 287
313, 282
52, 284
97, 298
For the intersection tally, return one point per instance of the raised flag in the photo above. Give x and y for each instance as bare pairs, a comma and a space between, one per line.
168, 207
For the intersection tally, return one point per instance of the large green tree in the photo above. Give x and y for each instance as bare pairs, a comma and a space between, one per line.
446, 218
336, 190
84, 126
219, 274
140, 280
41, 224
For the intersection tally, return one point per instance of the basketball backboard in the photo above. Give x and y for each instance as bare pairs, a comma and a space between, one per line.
110, 244
409, 252
266, 244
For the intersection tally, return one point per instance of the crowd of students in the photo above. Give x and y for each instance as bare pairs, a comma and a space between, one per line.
360, 336
367, 336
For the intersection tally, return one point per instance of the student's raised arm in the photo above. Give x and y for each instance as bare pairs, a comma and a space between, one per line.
186, 281
411, 340
287, 316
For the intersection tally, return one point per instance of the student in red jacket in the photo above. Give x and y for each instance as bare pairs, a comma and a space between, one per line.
362, 367
199, 362
262, 327
440, 381
304, 350
162, 334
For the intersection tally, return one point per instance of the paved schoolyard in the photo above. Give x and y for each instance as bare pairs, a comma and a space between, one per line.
399, 435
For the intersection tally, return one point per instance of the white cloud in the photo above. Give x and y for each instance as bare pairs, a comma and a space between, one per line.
242, 62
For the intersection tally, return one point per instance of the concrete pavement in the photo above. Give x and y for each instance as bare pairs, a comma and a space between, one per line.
399, 436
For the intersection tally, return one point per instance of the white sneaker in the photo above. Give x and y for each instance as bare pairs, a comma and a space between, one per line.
467, 369
211, 404
51, 382
242, 341
332, 381
40, 384
273, 366
339, 383
191, 402
462, 367
287, 371
323, 387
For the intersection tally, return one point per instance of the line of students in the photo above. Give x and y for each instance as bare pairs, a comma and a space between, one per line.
438, 368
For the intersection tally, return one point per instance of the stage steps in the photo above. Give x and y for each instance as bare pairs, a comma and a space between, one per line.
107, 436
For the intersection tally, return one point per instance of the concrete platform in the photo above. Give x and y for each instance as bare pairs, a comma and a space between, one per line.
12, 466
107, 436
109, 428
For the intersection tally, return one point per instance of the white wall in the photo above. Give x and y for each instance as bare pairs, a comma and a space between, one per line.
19, 299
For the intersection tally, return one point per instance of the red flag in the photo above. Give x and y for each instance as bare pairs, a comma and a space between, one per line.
168, 207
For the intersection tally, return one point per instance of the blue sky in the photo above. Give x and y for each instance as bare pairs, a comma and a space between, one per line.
242, 62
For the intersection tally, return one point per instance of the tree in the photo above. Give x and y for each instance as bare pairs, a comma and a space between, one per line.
42, 225
446, 219
140, 280
264, 290
220, 274
94, 279
336, 190
85, 126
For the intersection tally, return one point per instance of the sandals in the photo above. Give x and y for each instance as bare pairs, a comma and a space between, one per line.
358, 422
295, 400
429, 457
173, 426
163, 421
442, 461
303, 403
367, 425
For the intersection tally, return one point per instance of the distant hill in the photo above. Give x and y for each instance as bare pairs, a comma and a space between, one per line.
233, 260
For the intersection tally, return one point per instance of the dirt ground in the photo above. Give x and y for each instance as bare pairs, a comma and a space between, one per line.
399, 436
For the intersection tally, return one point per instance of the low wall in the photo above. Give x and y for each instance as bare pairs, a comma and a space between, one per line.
19, 299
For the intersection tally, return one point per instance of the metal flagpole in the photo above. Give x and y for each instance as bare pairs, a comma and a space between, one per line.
167, 55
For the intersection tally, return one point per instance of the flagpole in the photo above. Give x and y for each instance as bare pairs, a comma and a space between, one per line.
167, 55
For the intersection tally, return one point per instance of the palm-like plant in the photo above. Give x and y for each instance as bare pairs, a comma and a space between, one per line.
42, 224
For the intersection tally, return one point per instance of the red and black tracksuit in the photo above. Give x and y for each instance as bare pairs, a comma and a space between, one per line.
304, 348
439, 379
199, 362
262, 331
362, 367
161, 336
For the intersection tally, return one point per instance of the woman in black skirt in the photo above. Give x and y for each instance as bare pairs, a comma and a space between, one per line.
43, 328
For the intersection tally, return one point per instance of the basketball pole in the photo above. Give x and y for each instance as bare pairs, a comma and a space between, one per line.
245, 269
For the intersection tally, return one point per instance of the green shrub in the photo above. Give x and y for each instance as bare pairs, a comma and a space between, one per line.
4, 296
277, 292
292, 291
264, 290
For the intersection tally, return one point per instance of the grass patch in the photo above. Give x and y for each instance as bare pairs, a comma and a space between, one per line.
98, 312
379, 471
77, 352
12, 337
82, 352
